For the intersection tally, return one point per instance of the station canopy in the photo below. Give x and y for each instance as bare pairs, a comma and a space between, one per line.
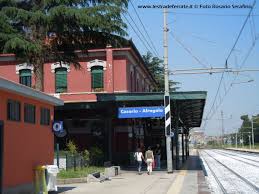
187, 106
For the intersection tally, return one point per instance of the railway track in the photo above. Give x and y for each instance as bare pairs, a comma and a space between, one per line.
242, 155
234, 179
235, 158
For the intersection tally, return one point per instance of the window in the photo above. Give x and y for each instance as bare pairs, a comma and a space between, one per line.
13, 110
97, 77
61, 79
44, 116
29, 113
25, 77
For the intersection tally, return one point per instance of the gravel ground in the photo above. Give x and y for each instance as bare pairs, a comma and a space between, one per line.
227, 179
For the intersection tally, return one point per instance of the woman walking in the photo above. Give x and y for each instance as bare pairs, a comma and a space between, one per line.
149, 159
139, 156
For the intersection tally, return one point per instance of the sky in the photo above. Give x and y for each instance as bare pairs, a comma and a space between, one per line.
209, 35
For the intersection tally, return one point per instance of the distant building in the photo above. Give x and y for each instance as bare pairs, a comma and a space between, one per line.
26, 137
197, 137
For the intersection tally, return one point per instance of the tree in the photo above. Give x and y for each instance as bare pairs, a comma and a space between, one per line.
155, 66
40, 31
246, 127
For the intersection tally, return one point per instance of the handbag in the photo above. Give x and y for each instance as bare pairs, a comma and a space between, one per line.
153, 164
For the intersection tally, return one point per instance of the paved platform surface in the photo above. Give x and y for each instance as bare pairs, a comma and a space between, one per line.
244, 150
186, 181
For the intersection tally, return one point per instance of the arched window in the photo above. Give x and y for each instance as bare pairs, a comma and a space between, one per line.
97, 77
61, 79
25, 77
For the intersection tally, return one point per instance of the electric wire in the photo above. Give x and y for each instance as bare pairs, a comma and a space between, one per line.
220, 83
188, 50
143, 37
136, 32
144, 28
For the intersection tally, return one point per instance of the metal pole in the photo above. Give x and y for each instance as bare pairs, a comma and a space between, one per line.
167, 99
253, 140
249, 136
236, 140
222, 128
57, 152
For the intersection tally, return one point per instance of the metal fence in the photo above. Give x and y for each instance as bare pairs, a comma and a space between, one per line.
69, 161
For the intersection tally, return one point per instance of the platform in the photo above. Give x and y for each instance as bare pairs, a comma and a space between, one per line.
189, 180
244, 150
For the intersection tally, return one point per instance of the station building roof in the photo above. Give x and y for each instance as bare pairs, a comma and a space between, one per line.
187, 106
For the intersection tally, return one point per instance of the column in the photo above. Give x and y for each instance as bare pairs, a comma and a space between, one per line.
108, 73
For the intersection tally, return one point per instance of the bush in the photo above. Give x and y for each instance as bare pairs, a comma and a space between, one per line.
86, 157
96, 156
71, 146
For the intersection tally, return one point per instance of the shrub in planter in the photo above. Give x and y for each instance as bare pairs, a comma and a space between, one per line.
71, 147
96, 156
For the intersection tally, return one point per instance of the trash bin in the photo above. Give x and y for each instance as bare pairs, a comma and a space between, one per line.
51, 177
40, 180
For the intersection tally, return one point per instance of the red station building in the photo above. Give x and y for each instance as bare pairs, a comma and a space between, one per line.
109, 78
26, 137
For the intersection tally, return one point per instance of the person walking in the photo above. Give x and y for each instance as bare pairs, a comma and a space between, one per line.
158, 156
149, 159
139, 157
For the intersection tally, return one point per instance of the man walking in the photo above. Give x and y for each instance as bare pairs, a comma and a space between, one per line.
158, 156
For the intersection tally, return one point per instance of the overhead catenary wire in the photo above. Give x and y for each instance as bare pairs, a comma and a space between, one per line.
231, 51
140, 34
188, 50
136, 32
241, 30
151, 41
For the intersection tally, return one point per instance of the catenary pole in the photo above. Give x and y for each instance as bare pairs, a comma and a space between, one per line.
167, 99
253, 140
222, 128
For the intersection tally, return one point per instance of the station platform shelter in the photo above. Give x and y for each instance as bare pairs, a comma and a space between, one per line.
97, 124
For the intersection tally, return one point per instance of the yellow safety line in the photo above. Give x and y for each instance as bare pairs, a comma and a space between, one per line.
177, 185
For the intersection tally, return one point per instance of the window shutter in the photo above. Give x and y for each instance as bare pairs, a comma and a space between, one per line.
61, 80
25, 77
97, 77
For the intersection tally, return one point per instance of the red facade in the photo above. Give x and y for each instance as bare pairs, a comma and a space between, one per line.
123, 71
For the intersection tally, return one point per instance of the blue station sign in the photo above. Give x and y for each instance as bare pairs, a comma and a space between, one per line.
141, 112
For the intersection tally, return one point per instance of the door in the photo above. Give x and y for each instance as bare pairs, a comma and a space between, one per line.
1, 155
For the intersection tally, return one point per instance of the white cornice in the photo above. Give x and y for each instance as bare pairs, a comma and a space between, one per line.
96, 62
58, 65
22, 66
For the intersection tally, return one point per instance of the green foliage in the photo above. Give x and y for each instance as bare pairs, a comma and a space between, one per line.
96, 156
80, 172
40, 31
72, 148
246, 128
86, 157
155, 66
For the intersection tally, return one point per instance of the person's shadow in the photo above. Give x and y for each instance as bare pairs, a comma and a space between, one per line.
62, 189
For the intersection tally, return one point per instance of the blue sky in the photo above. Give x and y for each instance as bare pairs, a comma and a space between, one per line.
210, 38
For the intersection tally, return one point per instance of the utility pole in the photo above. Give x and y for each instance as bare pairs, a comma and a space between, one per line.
236, 139
249, 136
167, 99
253, 140
222, 119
